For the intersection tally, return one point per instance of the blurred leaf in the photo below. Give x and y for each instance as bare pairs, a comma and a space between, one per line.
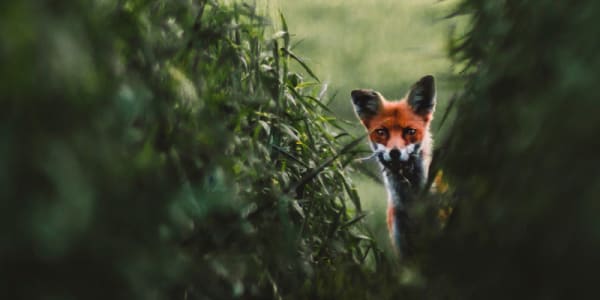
301, 62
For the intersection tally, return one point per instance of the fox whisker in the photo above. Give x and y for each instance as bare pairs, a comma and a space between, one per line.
370, 156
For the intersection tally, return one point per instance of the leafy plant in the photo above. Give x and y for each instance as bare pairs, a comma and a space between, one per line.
163, 149
520, 155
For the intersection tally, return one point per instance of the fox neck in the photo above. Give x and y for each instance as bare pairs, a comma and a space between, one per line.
403, 183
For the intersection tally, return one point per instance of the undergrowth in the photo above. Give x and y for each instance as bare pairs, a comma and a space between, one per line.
163, 149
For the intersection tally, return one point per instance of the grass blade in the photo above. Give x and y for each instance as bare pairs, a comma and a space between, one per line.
311, 174
301, 62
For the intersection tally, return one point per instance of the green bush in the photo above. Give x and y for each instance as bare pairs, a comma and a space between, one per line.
521, 155
162, 149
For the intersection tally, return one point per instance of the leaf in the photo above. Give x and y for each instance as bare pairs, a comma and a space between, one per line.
301, 62
284, 26
311, 174
289, 131
351, 193
362, 237
288, 155
352, 221
279, 34
265, 126
298, 208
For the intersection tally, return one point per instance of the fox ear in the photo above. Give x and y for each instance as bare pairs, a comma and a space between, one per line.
422, 95
366, 103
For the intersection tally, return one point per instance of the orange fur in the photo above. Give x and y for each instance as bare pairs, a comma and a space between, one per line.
390, 218
395, 117
402, 144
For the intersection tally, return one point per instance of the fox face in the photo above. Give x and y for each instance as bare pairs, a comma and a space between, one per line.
398, 130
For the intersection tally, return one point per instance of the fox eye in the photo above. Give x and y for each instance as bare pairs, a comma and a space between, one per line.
410, 131
381, 132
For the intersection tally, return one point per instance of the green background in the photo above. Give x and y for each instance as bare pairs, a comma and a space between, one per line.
382, 45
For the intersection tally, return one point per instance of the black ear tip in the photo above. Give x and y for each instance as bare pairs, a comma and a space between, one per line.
422, 95
363, 95
363, 92
366, 102
427, 79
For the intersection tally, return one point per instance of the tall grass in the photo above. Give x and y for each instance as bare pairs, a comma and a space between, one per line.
158, 149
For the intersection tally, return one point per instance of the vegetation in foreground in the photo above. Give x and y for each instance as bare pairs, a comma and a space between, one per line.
522, 155
159, 149
155, 149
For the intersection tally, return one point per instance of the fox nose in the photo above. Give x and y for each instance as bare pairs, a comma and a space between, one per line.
395, 154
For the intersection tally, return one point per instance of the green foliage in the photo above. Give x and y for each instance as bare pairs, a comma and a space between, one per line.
522, 156
162, 149
154, 149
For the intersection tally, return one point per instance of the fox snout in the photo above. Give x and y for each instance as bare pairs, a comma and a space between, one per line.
395, 154
398, 154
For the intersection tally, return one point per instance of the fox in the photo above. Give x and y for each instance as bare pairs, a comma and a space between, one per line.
401, 140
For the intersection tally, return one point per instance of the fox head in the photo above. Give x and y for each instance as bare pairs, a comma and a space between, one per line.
398, 130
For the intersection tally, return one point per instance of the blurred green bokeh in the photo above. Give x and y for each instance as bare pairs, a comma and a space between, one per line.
380, 44
523, 155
